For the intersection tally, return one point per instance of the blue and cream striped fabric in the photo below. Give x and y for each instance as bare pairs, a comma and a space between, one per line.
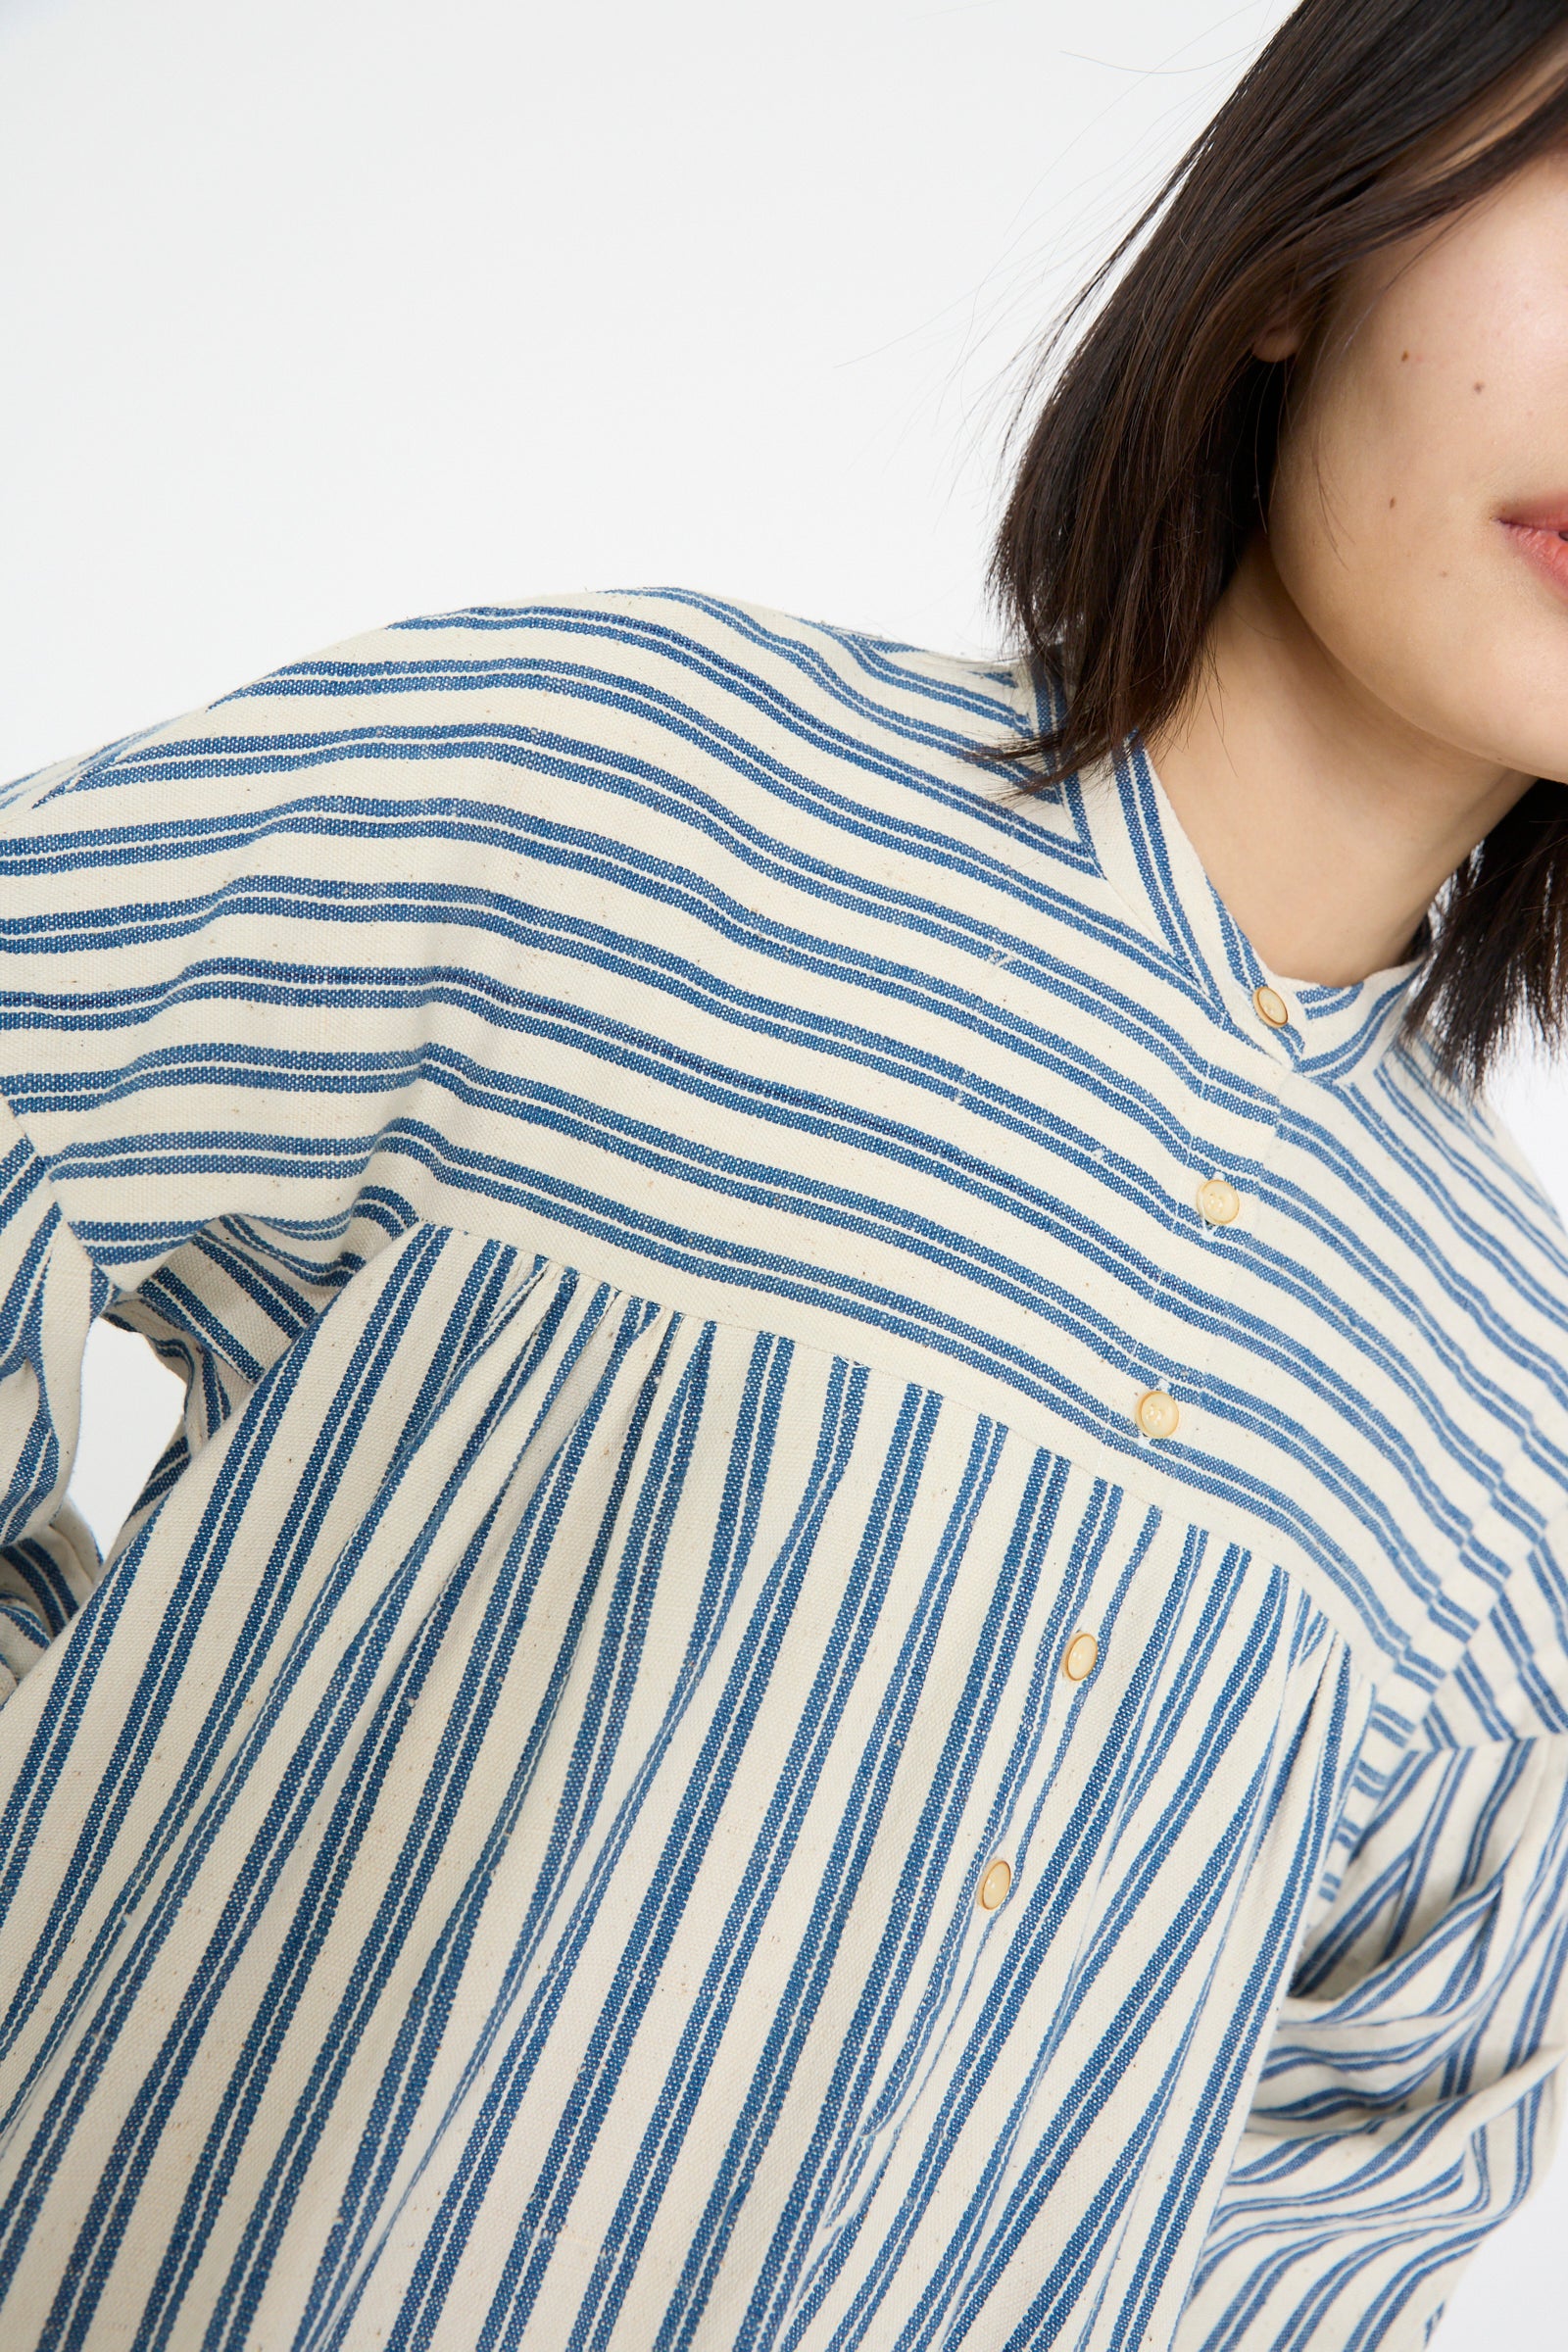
666, 1187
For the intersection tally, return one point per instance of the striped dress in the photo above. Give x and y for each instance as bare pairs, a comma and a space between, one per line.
858, 1632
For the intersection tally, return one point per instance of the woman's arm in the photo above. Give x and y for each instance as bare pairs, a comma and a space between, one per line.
1409, 2099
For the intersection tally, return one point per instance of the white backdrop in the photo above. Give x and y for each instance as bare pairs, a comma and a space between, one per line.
323, 313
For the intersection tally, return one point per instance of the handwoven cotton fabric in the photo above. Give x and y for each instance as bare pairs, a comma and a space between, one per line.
671, 1187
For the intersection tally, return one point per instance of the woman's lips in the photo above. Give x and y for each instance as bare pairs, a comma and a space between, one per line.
1546, 547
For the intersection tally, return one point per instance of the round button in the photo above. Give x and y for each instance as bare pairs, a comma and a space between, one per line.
994, 1885
1155, 1413
1083, 1655
1271, 1007
1218, 1203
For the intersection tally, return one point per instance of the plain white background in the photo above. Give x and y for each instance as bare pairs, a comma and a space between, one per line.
322, 313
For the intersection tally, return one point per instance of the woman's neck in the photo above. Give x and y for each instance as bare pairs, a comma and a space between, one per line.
1326, 823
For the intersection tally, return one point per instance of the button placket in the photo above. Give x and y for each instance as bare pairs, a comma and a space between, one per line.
1155, 1412
993, 1891
1239, 1140
998, 1892
1216, 1201
1219, 1205
1079, 1659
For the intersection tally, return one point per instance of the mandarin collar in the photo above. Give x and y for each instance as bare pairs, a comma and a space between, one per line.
1123, 814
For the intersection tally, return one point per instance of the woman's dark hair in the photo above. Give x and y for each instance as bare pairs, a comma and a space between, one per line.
1149, 463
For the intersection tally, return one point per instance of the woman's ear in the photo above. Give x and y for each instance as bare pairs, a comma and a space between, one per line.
1281, 339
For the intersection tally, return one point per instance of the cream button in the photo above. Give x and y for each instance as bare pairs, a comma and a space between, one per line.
1083, 1655
1218, 1203
994, 1885
1271, 1007
1155, 1413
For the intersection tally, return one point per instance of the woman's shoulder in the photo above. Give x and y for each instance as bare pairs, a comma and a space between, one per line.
683, 686
672, 658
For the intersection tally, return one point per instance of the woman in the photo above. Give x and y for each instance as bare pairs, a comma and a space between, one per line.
858, 1633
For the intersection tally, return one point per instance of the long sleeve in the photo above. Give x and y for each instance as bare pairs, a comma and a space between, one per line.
1409, 2099
107, 1204
49, 1294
